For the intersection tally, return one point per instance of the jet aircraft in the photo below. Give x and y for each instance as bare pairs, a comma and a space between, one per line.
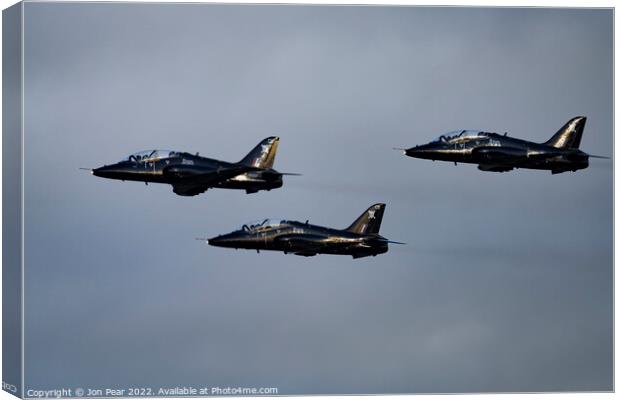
190, 174
500, 153
361, 239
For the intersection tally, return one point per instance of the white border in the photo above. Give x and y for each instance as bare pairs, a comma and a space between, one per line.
22, 187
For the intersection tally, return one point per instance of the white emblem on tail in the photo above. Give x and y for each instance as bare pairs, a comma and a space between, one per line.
264, 153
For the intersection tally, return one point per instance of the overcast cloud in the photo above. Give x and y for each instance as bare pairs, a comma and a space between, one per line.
505, 283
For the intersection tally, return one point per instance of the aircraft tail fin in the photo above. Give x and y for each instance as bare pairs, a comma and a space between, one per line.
370, 221
263, 155
569, 136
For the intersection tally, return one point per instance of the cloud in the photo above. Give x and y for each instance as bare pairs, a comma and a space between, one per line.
505, 281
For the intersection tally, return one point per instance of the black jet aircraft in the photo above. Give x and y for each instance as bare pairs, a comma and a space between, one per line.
361, 239
190, 174
500, 153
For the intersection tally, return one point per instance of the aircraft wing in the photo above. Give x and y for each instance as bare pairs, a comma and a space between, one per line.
500, 155
501, 159
309, 245
306, 241
192, 182
305, 245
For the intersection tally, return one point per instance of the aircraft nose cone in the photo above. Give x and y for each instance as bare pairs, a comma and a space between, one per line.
422, 151
222, 241
104, 172
114, 171
413, 151
214, 241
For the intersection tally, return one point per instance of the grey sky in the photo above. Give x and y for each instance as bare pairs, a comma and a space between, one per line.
505, 283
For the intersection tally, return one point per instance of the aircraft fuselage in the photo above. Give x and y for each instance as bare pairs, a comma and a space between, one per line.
174, 170
302, 239
191, 174
496, 152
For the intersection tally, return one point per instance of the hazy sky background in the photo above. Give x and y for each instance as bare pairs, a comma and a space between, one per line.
505, 283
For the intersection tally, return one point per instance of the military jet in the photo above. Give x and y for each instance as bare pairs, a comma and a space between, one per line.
190, 174
361, 239
500, 153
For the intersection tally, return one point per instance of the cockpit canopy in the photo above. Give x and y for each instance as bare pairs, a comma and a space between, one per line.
257, 226
462, 134
150, 155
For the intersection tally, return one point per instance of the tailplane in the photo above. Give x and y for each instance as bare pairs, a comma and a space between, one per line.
370, 221
569, 136
263, 155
